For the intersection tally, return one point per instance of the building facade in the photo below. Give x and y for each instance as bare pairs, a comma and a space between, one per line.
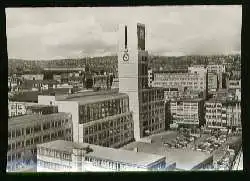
14, 83
150, 77
100, 118
41, 109
222, 114
64, 156
133, 80
102, 82
193, 80
219, 69
25, 132
212, 82
18, 108
187, 112
234, 84
33, 76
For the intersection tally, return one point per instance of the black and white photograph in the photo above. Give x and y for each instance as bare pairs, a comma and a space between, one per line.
124, 89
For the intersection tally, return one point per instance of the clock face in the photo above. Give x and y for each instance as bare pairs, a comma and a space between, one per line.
125, 57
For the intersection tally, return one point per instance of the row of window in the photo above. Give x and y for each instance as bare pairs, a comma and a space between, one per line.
17, 106
53, 153
36, 128
123, 121
108, 138
109, 164
97, 111
53, 166
40, 139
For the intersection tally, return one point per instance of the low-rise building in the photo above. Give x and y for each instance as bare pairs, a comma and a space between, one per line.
184, 159
38, 85
25, 132
65, 156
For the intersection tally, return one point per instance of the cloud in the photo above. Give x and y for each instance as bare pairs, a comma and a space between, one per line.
45, 33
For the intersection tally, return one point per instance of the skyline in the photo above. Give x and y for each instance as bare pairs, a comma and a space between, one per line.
59, 33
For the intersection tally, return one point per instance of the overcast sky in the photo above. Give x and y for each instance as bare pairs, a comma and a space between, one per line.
49, 33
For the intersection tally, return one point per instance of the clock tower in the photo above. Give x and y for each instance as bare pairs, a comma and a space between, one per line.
132, 67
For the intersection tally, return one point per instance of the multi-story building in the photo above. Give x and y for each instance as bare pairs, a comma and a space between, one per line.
18, 108
219, 69
61, 156
172, 93
187, 112
212, 82
102, 82
176, 94
101, 118
146, 103
25, 132
216, 68
194, 80
222, 113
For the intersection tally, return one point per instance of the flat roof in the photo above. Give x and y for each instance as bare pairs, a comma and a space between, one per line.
21, 120
222, 100
86, 99
39, 106
119, 155
188, 100
185, 159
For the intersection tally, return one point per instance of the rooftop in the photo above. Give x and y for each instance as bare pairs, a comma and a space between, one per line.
95, 97
21, 120
189, 100
38, 106
223, 100
119, 155
185, 159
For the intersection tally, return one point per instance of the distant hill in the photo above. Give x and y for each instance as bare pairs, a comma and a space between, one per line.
110, 63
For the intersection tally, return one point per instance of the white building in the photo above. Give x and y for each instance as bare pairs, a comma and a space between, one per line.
25, 132
33, 76
65, 156
187, 112
150, 77
222, 114
146, 103
18, 108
